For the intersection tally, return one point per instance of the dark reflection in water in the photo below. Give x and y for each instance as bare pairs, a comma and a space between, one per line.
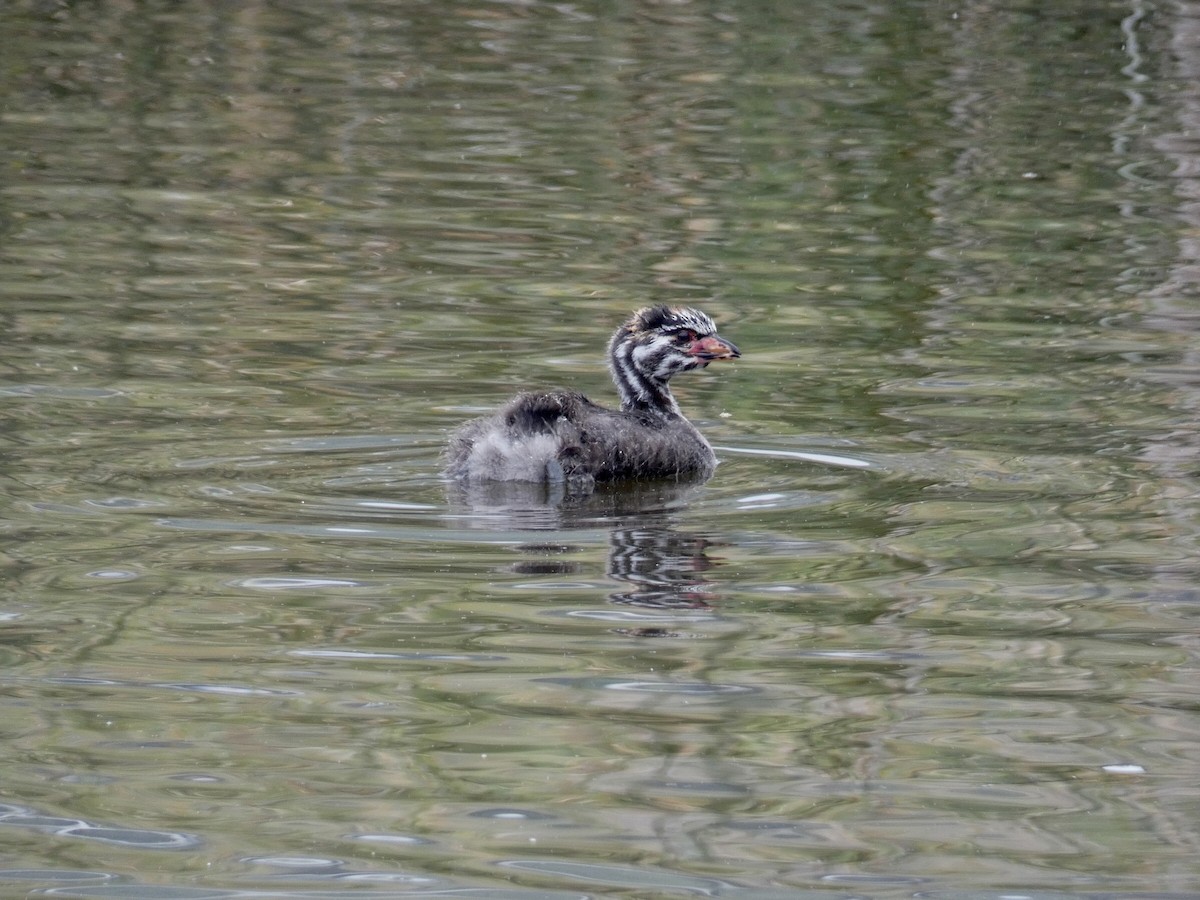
663, 567
517, 505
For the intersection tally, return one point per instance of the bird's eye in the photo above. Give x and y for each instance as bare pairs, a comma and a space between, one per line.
685, 337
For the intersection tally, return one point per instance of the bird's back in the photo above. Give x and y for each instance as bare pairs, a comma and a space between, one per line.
561, 435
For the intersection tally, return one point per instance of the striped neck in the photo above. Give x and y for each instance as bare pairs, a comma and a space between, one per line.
640, 392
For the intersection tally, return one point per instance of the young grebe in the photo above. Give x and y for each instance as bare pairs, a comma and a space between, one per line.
561, 436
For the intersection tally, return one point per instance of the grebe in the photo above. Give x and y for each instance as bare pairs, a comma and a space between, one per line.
562, 436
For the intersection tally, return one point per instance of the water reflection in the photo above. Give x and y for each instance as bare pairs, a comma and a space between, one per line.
658, 565
664, 567
538, 506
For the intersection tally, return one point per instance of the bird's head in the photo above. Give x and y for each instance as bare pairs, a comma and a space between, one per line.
661, 341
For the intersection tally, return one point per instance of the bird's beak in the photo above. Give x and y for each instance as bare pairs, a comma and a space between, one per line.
713, 348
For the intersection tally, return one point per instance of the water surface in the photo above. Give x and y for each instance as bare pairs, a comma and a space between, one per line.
931, 630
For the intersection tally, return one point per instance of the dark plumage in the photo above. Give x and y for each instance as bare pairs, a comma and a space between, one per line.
561, 435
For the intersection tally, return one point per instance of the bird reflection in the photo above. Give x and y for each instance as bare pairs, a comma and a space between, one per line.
663, 567
657, 565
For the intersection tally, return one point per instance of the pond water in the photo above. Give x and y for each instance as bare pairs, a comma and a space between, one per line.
932, 629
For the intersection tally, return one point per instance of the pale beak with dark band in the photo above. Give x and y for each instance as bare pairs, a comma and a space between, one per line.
712, 348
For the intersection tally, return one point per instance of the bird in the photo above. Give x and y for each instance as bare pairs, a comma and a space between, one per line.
560, 436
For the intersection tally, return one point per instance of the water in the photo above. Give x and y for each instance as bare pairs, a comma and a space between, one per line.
929, 631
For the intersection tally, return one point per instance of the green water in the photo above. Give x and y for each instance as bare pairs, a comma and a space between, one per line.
931, 630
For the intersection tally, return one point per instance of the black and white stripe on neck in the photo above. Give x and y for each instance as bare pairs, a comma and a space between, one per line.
640, 371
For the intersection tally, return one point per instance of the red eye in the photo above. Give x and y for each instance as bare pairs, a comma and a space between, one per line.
685, 337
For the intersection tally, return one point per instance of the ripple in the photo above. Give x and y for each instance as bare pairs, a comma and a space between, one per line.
226, 689
827, 459
119, 503
642, 878
22, 817
381, 654
698, 688
59, 392
395, 505
195, 687
326, 444
404, 839
503, 813
294, 862
57, 875
295, 584
663, 687
626, 616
